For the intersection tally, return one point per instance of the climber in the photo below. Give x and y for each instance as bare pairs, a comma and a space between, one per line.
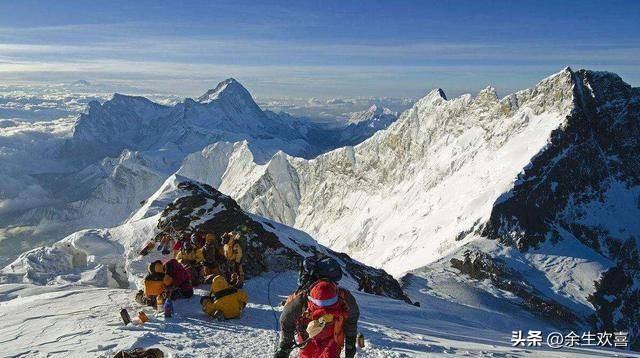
180, 242
191, 258
366, 284
153, 285
210, 268
197, 239
233, 254
324, 318
177, 280
189, 255
224, 301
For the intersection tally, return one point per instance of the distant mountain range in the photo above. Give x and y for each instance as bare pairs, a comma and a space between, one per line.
95, 171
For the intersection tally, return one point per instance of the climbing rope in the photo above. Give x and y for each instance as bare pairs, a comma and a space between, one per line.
275, 315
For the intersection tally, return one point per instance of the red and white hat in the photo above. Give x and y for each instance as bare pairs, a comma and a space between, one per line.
324, 294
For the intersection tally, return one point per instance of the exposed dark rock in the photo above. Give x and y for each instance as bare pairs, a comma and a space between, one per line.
599, 144
481, 266
617, 296
598, 147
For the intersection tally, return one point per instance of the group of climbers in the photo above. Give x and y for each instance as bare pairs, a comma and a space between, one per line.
199, 260
208, 257
320, 318
168, 280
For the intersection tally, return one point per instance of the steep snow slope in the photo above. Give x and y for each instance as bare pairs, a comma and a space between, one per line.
437, 170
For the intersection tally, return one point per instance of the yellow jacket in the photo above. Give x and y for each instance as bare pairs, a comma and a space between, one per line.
233, 251
190, 257
225, 299
153, 286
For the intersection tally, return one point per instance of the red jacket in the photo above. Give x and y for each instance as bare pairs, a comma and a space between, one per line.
181, 277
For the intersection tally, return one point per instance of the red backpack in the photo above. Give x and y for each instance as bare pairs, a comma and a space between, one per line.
333, 315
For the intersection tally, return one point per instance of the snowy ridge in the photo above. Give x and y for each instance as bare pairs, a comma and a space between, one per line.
352, 198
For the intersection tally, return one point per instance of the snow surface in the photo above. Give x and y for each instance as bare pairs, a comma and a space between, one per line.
68, 322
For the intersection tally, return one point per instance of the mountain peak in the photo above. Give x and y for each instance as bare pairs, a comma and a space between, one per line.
80, 83
437, 93
488, 94
227, 89
378, 110
434, 97
374, 112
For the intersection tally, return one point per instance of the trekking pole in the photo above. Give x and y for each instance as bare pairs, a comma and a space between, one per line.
275, 316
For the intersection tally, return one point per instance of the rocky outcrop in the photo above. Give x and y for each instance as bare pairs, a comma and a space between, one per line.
201, 208
617, 296
597, 148
481, 266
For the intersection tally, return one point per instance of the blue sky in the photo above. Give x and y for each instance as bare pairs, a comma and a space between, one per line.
320, 48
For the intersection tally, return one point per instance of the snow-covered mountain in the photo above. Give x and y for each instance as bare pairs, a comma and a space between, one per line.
438, 170
513, 212
364, 124
226, 112
375, 114
116, 154
537, 191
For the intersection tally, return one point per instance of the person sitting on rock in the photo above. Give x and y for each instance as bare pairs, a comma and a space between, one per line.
177, 280
191, 258
233, 254
153, 284
210, 254
224, 301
